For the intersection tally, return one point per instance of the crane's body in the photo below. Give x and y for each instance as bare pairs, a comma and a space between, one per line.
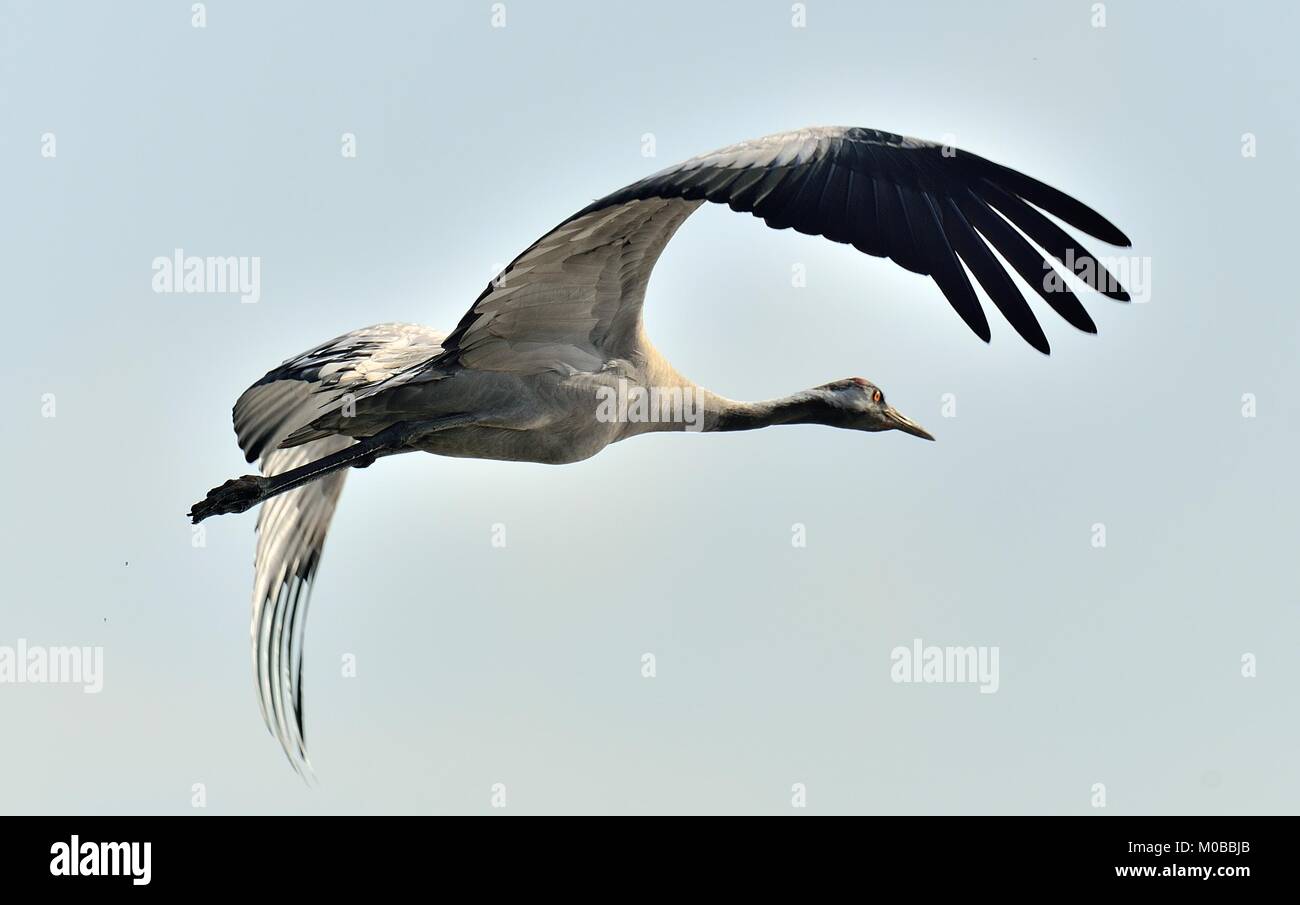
528, 373
549, 417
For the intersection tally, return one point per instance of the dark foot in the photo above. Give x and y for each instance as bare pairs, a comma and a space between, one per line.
236, 495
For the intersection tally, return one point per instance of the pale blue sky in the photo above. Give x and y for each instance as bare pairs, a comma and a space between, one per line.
479, 665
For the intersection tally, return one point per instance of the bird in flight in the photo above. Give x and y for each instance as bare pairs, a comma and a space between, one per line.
530, 372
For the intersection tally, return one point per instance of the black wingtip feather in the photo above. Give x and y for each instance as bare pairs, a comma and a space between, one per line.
1054, 201
996, 282
923, 214
1025, 260
1067, 250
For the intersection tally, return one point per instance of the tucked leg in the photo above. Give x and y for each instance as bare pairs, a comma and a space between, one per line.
241, 494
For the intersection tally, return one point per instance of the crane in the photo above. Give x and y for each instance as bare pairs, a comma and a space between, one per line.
551, 363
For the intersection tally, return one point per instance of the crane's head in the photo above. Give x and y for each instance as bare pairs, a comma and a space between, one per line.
859, 404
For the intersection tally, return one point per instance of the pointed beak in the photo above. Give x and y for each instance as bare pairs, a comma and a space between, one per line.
901, 422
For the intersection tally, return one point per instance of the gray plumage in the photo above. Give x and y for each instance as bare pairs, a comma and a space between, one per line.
523, 376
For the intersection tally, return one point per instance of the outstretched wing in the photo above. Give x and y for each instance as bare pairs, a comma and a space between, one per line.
291, 527
573, 299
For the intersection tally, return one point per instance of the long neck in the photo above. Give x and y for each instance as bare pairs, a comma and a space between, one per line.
718, 412
728, 415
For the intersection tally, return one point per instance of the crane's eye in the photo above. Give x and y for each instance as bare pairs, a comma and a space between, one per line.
877, 397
